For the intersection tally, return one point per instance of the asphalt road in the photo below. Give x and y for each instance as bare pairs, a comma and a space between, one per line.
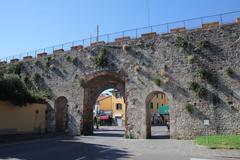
109, 144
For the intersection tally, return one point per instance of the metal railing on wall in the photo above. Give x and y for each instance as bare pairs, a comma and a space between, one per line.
182, 25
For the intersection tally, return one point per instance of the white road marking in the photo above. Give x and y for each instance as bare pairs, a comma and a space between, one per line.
105, 150
83, 157
199, 159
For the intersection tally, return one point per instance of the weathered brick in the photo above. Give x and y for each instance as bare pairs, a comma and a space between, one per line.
122, 39
210, 25
27, 58
100, 43
178, 30
77, 48
149, 35
41, 55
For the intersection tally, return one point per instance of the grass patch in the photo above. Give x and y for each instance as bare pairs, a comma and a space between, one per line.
220, 141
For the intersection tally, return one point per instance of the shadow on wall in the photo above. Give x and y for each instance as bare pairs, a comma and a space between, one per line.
68, 148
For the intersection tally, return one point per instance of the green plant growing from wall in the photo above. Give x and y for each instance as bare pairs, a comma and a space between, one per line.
203, 44
100, 59
82, 82
199, 90
36, 77
229, 71
15, 68
193, 86
157, 81
206, 75
165, 67
75, 61
189, 108
181, 43
202, 74
190, 58
69, 59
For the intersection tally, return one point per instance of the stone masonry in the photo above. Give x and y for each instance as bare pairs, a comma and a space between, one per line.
147, 65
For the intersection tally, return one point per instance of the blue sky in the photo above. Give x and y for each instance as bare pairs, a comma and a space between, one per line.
31, 24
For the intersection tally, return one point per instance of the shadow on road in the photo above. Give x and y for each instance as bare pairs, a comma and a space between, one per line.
66, 148
160, 137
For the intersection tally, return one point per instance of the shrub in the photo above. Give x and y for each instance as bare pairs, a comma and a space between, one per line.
181, 43
100, 59
157, 81
189, 108
13, 89
15, 68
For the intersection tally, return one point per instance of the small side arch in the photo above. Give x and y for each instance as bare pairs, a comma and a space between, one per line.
61, 110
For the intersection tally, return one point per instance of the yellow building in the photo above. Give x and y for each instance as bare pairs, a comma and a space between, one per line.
112, 105
19, 120
158, 100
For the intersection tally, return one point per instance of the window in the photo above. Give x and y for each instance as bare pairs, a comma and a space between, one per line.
151, 105
162, 96
118, 95
118, 106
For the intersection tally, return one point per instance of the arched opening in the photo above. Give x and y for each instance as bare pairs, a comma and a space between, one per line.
157, 118
109, 114
61, 117
94, 86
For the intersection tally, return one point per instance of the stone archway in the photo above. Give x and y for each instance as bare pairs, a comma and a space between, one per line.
61, 114
148, 112
93, 87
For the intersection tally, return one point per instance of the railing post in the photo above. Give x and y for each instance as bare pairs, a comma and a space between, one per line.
72, 43
107, 38
201, 21
221, 19
83, 43
136, 33
123, 34
151, 28
62, 46
167, 28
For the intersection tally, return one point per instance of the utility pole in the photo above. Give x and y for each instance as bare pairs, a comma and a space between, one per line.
148, 12
97, 33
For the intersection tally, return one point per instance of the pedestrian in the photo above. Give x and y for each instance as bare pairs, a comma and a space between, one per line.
97, 121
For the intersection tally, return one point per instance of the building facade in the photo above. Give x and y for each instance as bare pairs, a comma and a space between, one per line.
112, 106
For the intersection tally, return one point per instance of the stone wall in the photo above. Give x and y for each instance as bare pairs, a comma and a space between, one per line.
210, 57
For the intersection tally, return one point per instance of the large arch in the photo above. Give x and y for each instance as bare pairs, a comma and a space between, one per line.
61, 110
94, 86
148, 113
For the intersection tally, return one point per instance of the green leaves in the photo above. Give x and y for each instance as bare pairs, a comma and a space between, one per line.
100, 58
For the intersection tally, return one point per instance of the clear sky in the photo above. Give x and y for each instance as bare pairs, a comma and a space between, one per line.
33, 24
